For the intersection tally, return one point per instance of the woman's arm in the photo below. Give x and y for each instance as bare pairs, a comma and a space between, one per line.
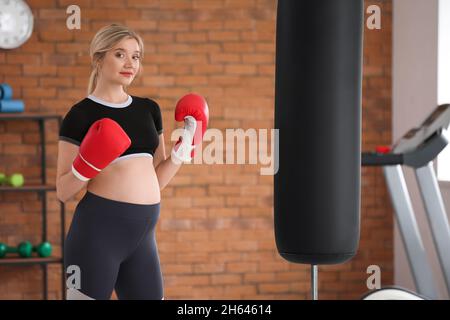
164, 167
67, 185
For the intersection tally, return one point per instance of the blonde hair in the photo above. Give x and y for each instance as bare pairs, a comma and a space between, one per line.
104, 40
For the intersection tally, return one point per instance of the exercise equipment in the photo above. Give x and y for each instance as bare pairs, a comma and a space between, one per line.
318, 115
6, 102
15, 180
43, 250
5, 249
11, 106
393, 293
6, 91
417, 149
25, 249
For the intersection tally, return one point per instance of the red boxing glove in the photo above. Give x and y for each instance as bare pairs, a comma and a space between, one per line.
193, 109
103, 143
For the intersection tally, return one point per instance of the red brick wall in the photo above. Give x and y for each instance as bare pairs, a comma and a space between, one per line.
215, 234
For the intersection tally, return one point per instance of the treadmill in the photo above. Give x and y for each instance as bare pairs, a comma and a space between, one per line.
417, 149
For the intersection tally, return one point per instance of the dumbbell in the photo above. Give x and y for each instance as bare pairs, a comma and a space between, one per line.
25, 249
15, 180
44, 249
22, 249
4, 249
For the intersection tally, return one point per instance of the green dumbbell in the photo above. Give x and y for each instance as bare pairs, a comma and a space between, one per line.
44, 249
15, 180
5, 249
25, 249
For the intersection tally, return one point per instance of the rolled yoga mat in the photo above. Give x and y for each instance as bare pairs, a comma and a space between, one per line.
5, 91
11, 106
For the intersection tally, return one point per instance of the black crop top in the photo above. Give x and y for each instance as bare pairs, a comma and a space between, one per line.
139, 117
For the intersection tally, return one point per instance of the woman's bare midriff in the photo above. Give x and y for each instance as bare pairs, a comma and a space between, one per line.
130, 180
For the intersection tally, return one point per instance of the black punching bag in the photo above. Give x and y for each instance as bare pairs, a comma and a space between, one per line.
318, 114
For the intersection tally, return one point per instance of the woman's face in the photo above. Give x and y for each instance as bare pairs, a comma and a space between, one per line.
122, 62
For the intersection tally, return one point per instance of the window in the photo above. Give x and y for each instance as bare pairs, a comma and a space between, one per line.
443, 161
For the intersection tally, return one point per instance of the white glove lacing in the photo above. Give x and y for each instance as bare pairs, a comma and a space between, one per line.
181, 152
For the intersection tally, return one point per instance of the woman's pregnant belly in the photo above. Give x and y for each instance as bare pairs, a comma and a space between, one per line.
130, 180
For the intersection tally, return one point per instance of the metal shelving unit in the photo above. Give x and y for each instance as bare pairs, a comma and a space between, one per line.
42, 190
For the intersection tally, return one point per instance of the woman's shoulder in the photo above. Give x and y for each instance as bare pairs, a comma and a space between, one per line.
146, 102
80, 105
79, 109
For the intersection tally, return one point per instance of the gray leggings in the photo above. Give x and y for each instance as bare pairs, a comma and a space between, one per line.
113, 244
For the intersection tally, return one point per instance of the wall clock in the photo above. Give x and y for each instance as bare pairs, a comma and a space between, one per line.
16, 23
